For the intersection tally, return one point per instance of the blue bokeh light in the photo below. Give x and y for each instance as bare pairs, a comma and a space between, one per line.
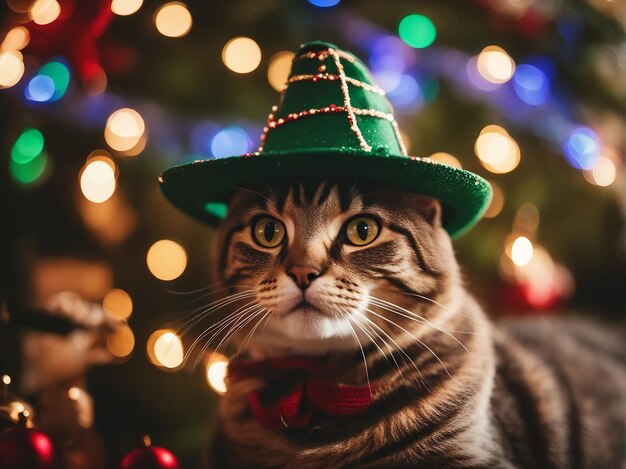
407, 95
40, 89
202, 135
531, 85
324, 3
231, 141
582, 148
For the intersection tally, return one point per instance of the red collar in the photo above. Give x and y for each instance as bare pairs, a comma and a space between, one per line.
291, 396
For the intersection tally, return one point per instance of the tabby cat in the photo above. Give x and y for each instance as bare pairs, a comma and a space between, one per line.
357, 284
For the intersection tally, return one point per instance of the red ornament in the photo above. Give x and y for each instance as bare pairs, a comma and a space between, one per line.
25, 448
149, 457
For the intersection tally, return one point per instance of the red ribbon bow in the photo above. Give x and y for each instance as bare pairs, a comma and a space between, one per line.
295, 405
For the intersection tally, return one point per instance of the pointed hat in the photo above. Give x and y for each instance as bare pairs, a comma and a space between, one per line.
332, 121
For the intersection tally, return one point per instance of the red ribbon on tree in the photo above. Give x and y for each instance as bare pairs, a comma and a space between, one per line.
297, 395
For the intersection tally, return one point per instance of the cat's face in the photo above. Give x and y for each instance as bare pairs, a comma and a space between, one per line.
327, 260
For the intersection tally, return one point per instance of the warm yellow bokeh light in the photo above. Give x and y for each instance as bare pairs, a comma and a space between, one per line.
74, 393
603, 173
6, 379
118, 303
121, 342
166, 259
124, 129
447, 159
165, 349
216, 372
521, 251
125, 7
97, 181
16, 39
173, 19
279, 68
497, 201
45, 11
241, 55
11, 68
495, 65
497, 151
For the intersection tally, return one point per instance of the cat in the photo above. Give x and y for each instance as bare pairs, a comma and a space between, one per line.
361, 281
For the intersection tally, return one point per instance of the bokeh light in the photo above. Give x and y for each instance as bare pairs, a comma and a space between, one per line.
60, 76
97, 181
324, 3
231, 141
166, 259
125, 7
40, 89
11, 68
124, 129
173, 19
45, 11
16, 39
216, 369
496, 150
495, 65
121, 342
447, 159
521, 251
31, 171
241, 54
406, 95
118, 304
531, 85
526, 219
165, 349
279, 68
497, 201
417, 31
6, 379
27, 146
582, 148
603, 173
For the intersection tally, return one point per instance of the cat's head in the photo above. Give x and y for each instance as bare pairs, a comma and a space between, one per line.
328, 261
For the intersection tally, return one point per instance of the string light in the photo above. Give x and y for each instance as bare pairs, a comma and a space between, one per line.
125, 7
447, 159
216, 370
497, 201
496, 150
45, 11
603, 173
31, 171
40, 89
165, 349
495, 65
97, 181
16, 39
531, 85
521, 251
118, 304
241, 54
173, 19
417, 31
27, 146
230, 141
121, 342
124, 129
279, 68
11, 68
6, 379
60, 76
166, 259
582, 148
324, 3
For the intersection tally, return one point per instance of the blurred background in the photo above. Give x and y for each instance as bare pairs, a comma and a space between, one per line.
99, 97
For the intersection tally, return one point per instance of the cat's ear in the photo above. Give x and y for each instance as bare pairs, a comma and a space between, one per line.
429, 209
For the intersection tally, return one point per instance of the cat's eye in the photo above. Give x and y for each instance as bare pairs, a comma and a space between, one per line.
362, 230
268, 232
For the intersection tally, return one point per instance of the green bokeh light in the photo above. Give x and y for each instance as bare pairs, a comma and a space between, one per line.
60, 75
27, 146
31, 171
417, 31
216, 208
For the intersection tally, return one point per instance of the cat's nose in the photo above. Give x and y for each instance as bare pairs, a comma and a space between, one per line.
303, 275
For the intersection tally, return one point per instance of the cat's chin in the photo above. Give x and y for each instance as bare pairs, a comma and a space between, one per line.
306, 329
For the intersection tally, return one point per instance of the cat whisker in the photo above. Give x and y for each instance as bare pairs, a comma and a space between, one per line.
358, 341
233, 331
400, 310
246, 341
413, 336
447, 308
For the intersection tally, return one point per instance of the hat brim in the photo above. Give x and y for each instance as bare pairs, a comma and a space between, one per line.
202, 189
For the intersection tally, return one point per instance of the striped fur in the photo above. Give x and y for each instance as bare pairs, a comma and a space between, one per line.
458, 392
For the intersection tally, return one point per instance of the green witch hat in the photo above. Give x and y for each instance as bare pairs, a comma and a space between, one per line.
332, 121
